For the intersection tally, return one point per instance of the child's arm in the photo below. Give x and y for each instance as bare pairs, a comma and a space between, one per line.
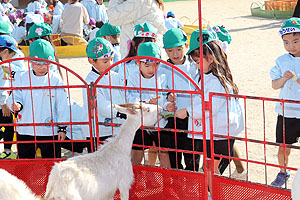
278, 83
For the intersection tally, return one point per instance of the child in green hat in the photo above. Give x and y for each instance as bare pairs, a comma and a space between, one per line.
40, 105
217, 78
8, 48
39, 31
150, 76
285, 76
175, 44
112, 34
42, 31
100, 54
144, 32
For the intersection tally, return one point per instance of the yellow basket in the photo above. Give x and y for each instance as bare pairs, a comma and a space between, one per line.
77, 50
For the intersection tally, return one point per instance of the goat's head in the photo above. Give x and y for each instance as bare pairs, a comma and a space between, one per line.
150, 112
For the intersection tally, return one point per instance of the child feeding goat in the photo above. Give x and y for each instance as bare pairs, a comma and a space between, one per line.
98, 175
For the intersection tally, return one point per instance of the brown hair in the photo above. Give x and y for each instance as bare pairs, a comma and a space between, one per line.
219, 66
160, 4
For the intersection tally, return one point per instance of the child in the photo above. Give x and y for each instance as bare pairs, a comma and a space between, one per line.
285, 76
7, 51
13, 19
58, 7
144, 32
227, 112
54, 22
112, 34
90, 6
34, 5
43, 31
175, 44
40, 105
100, 56
89, 28
8, 6
150, 76
20, 32
171, 21
223, 35
100, 11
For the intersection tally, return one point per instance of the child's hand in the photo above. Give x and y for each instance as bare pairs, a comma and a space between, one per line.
181, 114
171, 97
5, 110
171, 107
16, 106
61, 135
288, 75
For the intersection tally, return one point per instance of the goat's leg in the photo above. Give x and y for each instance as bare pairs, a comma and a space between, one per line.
124, 193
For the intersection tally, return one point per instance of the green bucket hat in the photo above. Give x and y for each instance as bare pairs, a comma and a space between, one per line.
149, 49
39, 30
291, 25
207, 36
108, 29
5, 27
41, 49
144, 30
174, 37
99, 48
222, 34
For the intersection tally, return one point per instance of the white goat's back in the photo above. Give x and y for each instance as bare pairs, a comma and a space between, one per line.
12, 188
296, 186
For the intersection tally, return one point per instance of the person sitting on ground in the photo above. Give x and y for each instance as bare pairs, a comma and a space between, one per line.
171, 21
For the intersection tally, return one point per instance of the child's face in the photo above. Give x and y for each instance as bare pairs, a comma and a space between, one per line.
5, 55
148, 69
176, 54
101, 64
100, 2
291, 44
206, 62
40, 69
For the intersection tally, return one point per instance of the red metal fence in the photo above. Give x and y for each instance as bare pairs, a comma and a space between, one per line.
155, 182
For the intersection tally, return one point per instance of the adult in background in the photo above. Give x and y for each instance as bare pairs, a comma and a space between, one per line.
72, 20
129, 13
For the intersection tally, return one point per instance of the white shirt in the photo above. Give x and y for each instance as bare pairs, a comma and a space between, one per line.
291, 89
58, 9
137, 80
181, 82
220, 111
56, 29
19, 33
73, 18
37, 104
33, 6
172, 23
105, 99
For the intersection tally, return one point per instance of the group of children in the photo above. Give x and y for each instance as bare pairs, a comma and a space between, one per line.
182, 110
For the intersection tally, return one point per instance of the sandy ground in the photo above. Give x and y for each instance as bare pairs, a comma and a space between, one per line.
254, 48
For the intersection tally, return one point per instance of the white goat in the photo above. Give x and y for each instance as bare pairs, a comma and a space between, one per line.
296, 186
98, 175
12, 188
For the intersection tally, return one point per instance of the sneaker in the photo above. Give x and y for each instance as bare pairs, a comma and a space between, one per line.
281, 178
10, 155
